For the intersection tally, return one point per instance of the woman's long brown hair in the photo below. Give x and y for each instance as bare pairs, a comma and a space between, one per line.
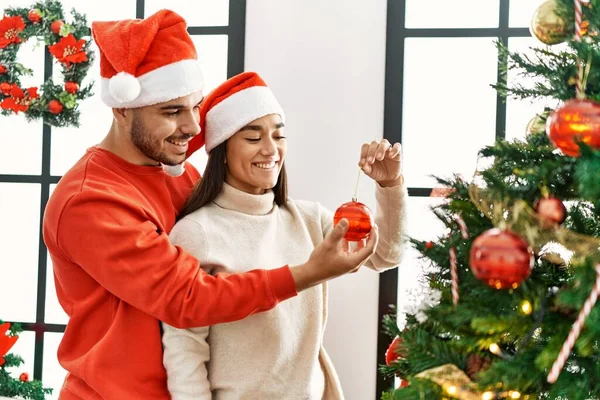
209, 187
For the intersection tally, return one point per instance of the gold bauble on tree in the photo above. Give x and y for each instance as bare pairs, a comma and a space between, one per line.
538, 123
547, 26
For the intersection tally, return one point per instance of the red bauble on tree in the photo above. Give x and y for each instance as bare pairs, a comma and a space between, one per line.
501, 258
5, 88
24, 377
551, 210
394, 351
359, 217
576, 120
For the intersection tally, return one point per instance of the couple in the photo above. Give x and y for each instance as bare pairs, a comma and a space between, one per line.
118, 272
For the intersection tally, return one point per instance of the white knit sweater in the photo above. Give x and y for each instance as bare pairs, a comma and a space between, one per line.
276, 354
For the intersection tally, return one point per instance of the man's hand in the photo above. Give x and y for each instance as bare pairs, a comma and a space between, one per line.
333, 258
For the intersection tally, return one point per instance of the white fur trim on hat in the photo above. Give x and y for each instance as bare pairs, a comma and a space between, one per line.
174, 170
236, 111
166, 83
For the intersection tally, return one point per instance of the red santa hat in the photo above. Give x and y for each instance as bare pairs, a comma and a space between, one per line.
231, 106
146, 61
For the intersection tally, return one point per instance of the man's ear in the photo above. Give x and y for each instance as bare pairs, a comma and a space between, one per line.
122, 115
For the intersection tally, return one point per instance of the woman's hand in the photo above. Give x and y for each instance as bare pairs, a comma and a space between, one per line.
381, 162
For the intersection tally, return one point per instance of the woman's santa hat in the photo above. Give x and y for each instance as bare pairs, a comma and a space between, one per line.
231, 106
146, 61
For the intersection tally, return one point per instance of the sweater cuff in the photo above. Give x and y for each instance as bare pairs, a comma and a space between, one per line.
281, 283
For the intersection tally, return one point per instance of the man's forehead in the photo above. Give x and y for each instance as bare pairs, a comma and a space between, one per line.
188, 101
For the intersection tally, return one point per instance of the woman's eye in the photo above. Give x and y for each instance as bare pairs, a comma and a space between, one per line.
253, 140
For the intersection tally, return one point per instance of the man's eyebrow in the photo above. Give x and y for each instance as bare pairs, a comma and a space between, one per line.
178, 106
172, 107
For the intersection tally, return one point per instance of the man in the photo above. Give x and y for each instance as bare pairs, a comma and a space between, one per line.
107, 222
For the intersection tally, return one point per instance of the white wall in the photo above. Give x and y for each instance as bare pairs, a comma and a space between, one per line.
325, 62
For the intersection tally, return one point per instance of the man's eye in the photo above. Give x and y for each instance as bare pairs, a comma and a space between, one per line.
279, 137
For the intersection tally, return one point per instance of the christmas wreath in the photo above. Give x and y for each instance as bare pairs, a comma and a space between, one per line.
56, 104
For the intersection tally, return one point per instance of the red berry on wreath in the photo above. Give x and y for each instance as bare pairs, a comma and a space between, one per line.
24, 377
2, 69
55, 107
71, 87
5, 88
34, 16
551, 210
55, 26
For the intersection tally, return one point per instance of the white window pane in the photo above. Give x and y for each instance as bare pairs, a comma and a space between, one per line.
24, 348
444, 128
452, 14
69, 143
19, 249
212, 56
521, 12
54, 312
105, 10
195, 12
520, 112
421, 224
53, 375
22, 140
21, 144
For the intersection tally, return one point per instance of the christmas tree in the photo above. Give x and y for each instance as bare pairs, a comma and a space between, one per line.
512, 284
21, 387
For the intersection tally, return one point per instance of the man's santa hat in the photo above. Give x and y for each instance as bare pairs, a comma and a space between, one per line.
146, 61
231, 106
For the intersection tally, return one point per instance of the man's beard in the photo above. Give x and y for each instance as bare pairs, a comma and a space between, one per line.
150, 147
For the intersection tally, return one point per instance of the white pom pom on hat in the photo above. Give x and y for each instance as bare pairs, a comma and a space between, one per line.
124, 87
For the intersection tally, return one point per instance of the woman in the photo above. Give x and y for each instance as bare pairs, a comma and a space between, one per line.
240, 213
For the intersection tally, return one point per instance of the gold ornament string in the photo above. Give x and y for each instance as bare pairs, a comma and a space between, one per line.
355, 197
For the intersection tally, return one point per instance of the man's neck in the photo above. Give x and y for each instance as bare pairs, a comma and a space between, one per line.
119, 143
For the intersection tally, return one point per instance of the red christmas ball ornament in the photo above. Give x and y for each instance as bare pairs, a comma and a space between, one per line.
34, 16
429, 245
394, 351
359, 217
5, 88
24, 377
2, 69
55, 26
501, 258
576, 120
551, 210
71, 87
55, 107
403, 383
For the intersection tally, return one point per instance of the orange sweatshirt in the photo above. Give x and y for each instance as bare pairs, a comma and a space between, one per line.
117, 275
